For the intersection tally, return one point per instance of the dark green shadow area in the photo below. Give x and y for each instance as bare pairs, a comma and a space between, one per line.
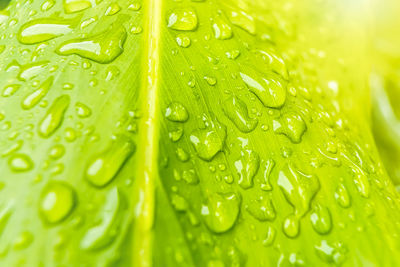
4, 4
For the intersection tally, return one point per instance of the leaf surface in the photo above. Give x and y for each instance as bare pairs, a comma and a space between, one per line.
189, 133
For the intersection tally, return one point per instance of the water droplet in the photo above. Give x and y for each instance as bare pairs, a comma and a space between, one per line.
270, 237
31, 70
182, 155
113, 9
36, 96
331, 253
104, 232
291, 125
221, 28
82, 110
179, 203
10, 90
137, 30
271, 91
182, 19
221, 211
269, 165
321, 219
176, 112
209, 141
103, 48
232, 54
262, 209
23, 240
72, 6
57, 151
243, 20
134, 7
56, 202
176, 134
298, 188
54, 116
45, 29
268, 59
103, 168
20, 163
247, 167
183, 40
342, 196
210, 80
236, 111
190, 177
291, 226
47, 5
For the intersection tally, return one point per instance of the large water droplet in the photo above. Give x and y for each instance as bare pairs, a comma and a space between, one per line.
44, 29
54, 116
221, 211
291, 125
270, 89
298, 188
270, 237
182, 19
176, 112
208, 142
247, 167
236, 111
106, 228
34, 98
103, 168
56, 202
103, 48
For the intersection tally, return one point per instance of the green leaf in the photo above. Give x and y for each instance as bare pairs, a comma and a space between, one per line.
189, 133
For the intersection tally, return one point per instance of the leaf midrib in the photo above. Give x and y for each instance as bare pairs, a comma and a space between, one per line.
147, 153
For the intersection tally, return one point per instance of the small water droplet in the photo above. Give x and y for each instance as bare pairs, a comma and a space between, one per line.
82, 110
72, 6
23, 240
262, 209
20, 163
57, 202
247, 167
36, 96
179, 203
45, 29
342, 196
291, 125
57, 151
243, 20
221, 28
112, 9
54, 116
291, 226
176, 134
103, 168
183, 40
209, 141
321, 219
236, 110
298, 188
106, 227
269, 165
32, 70
10, 90
210, 80
190, 177
270, 237
182, 155
182, 19
270, 90
176, 112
